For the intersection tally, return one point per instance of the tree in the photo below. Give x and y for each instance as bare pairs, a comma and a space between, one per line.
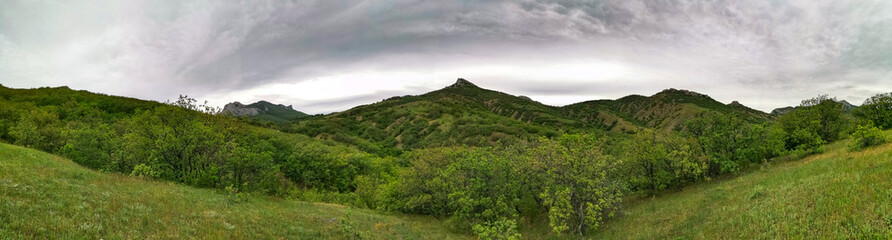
829, 116
877, 109
469, 185
819, 120
39, 128
92, 144
729, 142
658, 161
579, 187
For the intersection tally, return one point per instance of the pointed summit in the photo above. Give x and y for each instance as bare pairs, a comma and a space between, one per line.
462, 83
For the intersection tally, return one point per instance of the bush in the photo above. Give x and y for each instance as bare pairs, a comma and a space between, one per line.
866, 136
497, 230
142, 170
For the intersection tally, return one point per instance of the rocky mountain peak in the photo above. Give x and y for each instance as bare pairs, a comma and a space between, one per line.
462, 83
672, 91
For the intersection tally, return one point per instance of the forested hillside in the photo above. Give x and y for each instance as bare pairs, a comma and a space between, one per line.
460, 114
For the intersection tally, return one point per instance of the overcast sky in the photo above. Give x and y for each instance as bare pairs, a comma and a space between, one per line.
331, 55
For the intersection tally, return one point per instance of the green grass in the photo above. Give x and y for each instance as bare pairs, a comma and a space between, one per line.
48, 197
836, 194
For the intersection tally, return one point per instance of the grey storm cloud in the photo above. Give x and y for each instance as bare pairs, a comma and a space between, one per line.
325, 56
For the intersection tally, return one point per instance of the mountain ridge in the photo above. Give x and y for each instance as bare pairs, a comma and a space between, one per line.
264, 110
431, 119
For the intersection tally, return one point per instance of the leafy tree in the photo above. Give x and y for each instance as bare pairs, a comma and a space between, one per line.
877, 109
658, 161
468, 185
829, 116
819, 120
95, 145
579, 187
39, 128
729, 141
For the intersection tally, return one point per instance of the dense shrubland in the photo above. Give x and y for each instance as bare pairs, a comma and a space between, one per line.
181, 142
575, 181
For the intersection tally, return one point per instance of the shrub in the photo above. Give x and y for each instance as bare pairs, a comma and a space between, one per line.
497, 230
866, 136
142, 170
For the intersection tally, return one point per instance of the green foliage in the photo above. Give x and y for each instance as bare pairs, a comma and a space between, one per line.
49, 197
142, 170
182, 141
819, 120
877, 109
866, 136
448, 117
577, 182
39, 128
497, 230
834, 194
730, 142
469, 185
657, 161
94, 145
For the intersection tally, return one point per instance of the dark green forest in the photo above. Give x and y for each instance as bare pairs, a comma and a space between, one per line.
479, 159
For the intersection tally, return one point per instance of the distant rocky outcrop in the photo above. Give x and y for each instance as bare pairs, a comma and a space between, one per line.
461, 83
782, 111
846, 107
263, 110
239, 109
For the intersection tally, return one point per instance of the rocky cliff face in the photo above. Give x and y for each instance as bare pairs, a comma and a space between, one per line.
264, 110
239, 109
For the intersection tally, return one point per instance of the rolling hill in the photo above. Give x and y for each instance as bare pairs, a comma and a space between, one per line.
43, 196
666, 110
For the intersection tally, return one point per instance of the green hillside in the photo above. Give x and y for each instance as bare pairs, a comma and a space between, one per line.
838, 194
465, 114
458, 114
667, 110
48, 197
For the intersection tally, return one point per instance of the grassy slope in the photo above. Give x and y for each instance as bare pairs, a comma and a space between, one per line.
45, 196
837, 194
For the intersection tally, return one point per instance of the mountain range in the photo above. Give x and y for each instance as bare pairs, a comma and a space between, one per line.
465, 114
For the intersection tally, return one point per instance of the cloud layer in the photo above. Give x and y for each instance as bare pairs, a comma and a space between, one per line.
325, 56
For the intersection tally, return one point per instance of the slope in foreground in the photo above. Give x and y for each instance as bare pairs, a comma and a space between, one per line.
48, 197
